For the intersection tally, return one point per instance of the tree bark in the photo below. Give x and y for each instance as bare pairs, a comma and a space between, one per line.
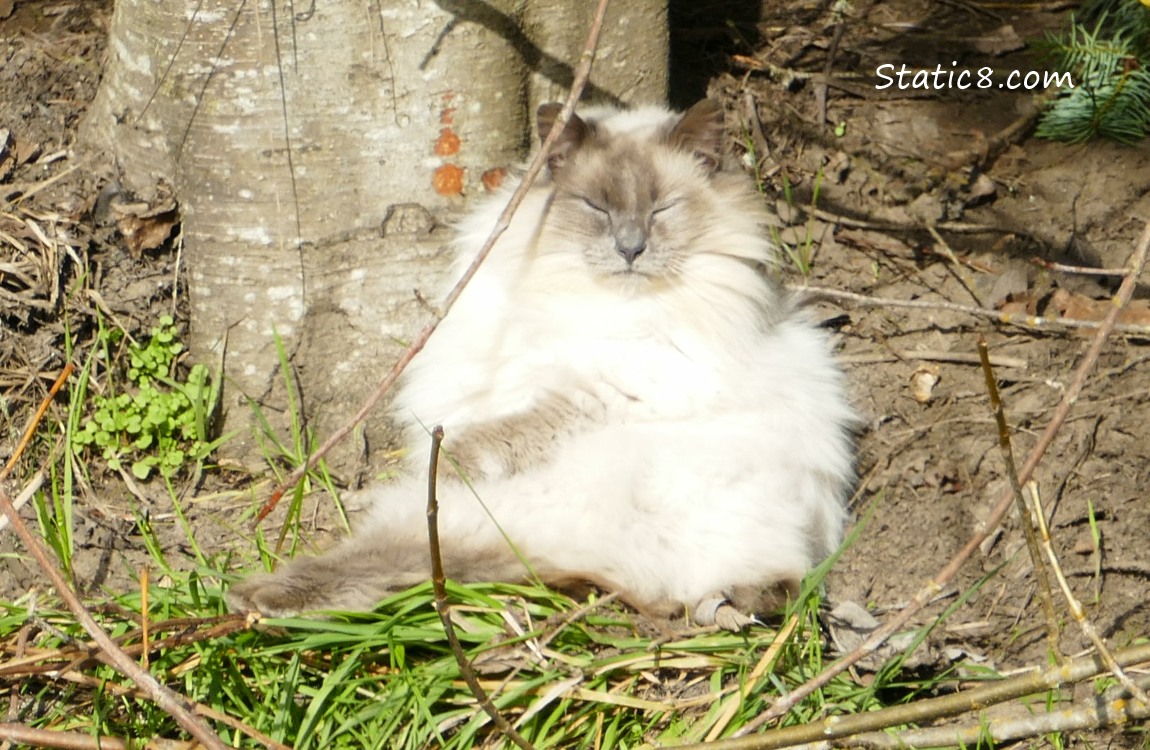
312, 150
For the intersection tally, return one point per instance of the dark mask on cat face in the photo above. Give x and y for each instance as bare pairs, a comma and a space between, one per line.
630, 200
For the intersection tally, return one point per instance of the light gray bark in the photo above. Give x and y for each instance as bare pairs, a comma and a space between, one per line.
289, 133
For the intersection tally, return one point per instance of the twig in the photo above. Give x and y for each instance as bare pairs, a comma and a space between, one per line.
24, 193
31, 737
975, 699
943, 577
1076, 610
964, 278
902, 226
842, 82
1023, 321
575, 616
24, 496
1081, 270
989, 150
829, 65
145, 629
931, 355
1004, 446
78, 653
443, 608
582, 73
1109, 710
32, 424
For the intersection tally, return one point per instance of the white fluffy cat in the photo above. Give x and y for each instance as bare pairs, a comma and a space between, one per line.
636, 403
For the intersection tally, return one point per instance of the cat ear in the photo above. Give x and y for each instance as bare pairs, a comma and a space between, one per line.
700, 131
572, 137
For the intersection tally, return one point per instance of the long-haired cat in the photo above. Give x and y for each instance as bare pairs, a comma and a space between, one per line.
635, 402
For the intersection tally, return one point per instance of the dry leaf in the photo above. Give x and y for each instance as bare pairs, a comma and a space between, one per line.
1080, 307
145, 227
983, 188
25, 151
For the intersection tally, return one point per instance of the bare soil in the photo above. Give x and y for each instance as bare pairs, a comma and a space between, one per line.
930, 466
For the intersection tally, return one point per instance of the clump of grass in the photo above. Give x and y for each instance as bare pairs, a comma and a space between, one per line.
803, 250
566, 673
291, 452
388, 679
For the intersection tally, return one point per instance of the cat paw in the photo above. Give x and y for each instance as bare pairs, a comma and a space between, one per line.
268, 594
716, 610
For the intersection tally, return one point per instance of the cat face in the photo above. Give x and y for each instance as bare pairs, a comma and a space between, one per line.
633, 201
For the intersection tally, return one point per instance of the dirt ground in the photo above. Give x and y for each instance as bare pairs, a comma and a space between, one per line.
886, 165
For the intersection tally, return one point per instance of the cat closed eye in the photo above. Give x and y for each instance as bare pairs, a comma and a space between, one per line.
594, 206
663, 207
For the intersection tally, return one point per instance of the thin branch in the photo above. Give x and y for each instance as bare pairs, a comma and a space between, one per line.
944, 576
1109, 710
575, 616
1023, 321
1080, 270
443, 608
77, 654
829, 65
1076, 610
24, 496
35, 421
1004, 446
931, 355
960, 272
582, 74
903, 226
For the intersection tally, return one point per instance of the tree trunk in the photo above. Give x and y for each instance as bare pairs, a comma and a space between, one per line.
310, 149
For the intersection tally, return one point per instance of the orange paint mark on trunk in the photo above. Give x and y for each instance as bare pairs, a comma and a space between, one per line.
448, 143
448, 180
447, 114
493, 178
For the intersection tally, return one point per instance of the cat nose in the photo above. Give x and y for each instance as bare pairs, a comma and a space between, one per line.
630, 241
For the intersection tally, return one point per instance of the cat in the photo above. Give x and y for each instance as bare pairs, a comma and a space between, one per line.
636, 402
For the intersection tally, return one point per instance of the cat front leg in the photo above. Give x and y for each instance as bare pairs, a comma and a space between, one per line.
512, 444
